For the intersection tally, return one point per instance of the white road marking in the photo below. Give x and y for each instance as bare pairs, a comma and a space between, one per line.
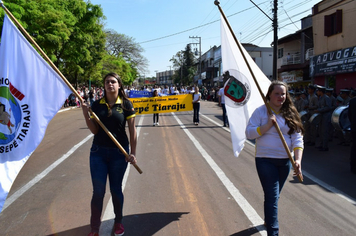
214, 122
40, 176
67, 109
246, 207
330, 188
109, 216
249, 211
306, 174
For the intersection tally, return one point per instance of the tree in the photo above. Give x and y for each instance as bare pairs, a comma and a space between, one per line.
184, 63
82, 54
126, 47
189, 68
178, 61
69, 32
125, 70
17, 9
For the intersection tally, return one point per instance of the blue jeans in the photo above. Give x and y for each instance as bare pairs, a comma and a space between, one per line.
273, 174
106, 162
225, 120
353, 153
196, 107
155, 117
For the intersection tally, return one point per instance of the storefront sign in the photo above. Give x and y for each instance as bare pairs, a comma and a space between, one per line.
292, 76
336, 62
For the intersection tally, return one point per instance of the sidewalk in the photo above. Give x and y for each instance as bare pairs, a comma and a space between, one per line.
331, 167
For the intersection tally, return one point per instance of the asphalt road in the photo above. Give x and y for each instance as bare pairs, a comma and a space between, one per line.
191, 185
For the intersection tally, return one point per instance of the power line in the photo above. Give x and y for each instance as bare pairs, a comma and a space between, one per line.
181, 32
290, 18
252, 36
184, 31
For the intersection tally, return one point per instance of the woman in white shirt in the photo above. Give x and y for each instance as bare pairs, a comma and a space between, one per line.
272, 161
155, 115
196, 105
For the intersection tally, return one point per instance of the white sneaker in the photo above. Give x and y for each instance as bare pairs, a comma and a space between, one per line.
157, 123
154, 124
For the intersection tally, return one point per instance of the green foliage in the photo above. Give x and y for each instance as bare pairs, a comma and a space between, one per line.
72, 35
17, 9
184, 63
118, 64
86, 44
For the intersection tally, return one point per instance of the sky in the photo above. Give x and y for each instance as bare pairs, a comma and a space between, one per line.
163, 27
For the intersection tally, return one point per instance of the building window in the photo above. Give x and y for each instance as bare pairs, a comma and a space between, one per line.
280, 52
333, 23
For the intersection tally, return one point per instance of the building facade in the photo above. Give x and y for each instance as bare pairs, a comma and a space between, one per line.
334, 61
208, 69
294, 53
212, 68
164, 77
263, 57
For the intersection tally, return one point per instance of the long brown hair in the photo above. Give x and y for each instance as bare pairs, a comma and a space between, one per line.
122, 93
288, 110
155, 93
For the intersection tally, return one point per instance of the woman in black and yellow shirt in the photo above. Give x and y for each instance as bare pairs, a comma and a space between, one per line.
113, 110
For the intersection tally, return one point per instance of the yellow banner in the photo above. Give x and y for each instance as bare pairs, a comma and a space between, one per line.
175, 103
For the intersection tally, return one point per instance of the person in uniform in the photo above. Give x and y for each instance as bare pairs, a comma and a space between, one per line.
310, 129
352, 117
345, 94
299, 102
292, 95
305, 99
352, 94
324, 109
329, 93
344, 141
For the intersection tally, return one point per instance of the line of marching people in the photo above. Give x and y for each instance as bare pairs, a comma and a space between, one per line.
316, 109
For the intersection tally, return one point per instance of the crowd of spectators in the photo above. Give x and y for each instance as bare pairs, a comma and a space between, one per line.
88, 95
95, 93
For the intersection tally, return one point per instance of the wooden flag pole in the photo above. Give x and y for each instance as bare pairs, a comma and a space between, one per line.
300, 176
96, 118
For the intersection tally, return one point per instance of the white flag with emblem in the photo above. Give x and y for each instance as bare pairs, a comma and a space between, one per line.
31, 93
241, 94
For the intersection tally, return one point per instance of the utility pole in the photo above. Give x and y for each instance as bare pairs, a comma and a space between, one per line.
199, 53
170, 74
275, 38
157, 80
275, 34
181, 57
